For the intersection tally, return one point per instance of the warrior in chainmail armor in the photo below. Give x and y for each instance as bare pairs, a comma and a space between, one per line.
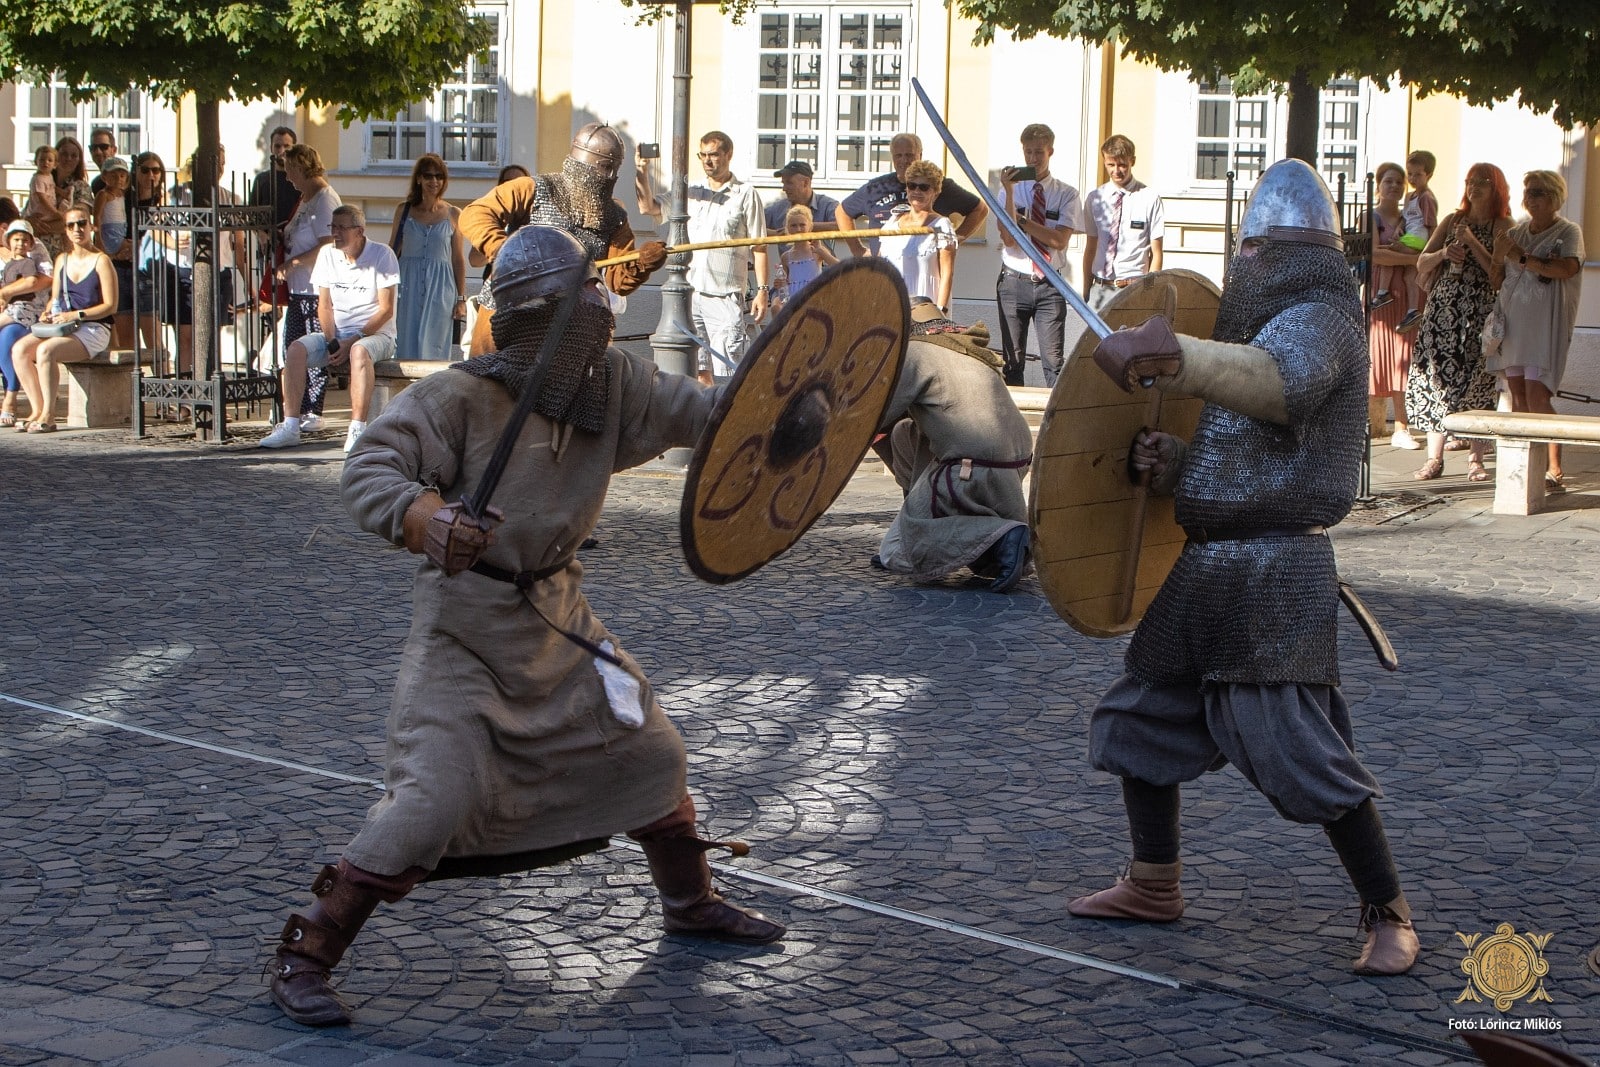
1236, 659
521, 734
576, 199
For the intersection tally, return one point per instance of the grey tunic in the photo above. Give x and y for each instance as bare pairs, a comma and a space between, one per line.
960, 460
500, 737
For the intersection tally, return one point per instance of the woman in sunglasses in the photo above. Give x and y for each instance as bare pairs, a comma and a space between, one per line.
1538, 267
83, 296
433, 266
927, 261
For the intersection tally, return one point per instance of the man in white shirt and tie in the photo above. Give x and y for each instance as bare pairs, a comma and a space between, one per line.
1049, 212
1126, 227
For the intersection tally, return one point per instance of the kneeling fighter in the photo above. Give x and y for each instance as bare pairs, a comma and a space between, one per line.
520, 733
1236, 659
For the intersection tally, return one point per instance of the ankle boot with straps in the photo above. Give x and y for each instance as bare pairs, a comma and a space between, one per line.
1149, 892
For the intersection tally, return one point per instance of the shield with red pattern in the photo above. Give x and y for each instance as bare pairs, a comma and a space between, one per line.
795, 420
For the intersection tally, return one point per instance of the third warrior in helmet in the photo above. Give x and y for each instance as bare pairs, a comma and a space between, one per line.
521, 734
578, 200
1236, 659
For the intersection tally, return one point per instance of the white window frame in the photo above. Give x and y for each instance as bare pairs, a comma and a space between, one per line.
65, 117
446, 124
812, 130
1258, 124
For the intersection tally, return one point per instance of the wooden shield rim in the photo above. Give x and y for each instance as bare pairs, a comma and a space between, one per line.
725, 404
1156, 535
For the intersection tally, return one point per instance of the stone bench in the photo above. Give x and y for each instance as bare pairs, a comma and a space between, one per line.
100, 391
392, 376
1520, 457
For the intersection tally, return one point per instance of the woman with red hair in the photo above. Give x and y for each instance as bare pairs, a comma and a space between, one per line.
1447, 365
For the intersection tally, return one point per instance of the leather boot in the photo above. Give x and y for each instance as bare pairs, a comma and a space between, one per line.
312, 944
1392, 944
688, 903
1149, 892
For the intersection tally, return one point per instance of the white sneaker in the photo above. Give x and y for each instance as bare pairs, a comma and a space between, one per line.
283, 435
310, 423
1403, 439
353, 435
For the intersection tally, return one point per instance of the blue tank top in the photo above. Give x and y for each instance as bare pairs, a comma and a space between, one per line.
84, 294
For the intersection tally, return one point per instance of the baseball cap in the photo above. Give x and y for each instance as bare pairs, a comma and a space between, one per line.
794, 166
113, 163
20, 226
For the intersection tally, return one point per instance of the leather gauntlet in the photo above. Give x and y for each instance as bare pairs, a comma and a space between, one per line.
1149, 350
446, 534
651, 255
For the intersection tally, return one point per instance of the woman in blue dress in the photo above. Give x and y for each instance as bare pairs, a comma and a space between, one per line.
433, 266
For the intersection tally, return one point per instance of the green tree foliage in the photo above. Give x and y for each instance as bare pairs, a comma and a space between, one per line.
650, 11
371, 57
1546, 52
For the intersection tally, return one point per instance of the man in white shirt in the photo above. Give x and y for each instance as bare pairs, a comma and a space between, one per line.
721, 208
355, 280
1048, 210
1126, 227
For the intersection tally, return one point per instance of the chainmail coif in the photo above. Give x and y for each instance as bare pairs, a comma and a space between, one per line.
576, 389
1281, 275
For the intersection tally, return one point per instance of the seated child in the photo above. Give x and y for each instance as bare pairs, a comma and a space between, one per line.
24, 311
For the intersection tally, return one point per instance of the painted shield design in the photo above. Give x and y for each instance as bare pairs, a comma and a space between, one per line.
1102, 545
795, 420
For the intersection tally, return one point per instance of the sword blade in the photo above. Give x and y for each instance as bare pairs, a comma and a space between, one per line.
1024, 242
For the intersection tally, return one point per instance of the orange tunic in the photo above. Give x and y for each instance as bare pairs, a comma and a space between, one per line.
490, 219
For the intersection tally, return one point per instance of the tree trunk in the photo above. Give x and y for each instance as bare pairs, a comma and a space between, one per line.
1304, 119
203, 185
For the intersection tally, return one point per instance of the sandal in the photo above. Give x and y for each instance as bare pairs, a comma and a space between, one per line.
1477, 473
42, 427
1429, 470
1554, 483
7, 419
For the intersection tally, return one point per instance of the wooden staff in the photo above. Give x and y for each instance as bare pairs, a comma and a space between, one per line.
1141, 488
774, 239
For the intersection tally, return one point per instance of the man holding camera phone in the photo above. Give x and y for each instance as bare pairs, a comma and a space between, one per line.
355, 280
1048, 210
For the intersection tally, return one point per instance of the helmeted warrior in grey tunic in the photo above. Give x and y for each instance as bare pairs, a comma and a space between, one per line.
959, 449
1236, 659
520, 734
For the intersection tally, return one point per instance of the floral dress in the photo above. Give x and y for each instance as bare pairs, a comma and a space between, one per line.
1447, 365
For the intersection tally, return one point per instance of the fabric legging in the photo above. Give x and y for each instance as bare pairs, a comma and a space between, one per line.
10, 334
299, 319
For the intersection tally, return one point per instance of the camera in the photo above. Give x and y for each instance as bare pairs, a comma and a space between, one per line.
1024, 174
649, 151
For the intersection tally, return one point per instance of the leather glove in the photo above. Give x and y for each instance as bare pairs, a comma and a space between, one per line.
446, 534
651, 255
1149, 350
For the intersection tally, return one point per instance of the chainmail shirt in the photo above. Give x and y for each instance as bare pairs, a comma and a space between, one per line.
576, 389
577, 201
1264, 610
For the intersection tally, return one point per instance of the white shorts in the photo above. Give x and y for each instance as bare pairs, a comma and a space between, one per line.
95, 337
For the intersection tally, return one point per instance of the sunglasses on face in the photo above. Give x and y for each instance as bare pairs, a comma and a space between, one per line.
151, 170
77, 224
432, 177
100, 146
1534, 194
919, 187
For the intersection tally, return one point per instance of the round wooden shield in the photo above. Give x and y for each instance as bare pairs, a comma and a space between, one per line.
795, 420
1103, 545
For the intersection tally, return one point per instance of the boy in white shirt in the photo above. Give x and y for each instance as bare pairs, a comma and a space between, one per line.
1126, 227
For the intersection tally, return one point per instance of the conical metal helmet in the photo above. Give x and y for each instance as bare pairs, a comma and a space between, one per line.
1291, 202
537, 263
598, 145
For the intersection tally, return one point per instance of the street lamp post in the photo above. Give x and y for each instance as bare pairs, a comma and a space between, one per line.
675, 353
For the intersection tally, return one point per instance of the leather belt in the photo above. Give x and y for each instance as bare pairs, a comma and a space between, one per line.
1201, 535
521, 579
1024, 275
1113, 283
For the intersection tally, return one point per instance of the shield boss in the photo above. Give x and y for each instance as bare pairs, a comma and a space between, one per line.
795, 420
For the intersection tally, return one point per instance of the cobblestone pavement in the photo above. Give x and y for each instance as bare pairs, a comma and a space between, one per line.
907, 762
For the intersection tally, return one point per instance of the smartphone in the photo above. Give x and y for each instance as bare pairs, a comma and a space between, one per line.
1024, 174
649, 151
